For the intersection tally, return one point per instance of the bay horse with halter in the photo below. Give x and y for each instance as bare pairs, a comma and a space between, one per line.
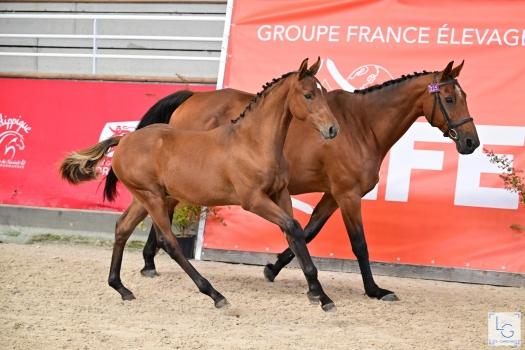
240, 163
372, 121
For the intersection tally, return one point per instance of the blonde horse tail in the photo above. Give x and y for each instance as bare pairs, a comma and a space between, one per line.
81, 166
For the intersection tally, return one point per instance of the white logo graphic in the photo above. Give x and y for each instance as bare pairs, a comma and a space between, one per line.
504, 328
12, 132
15, 140
361, 77
111, 130
117, 129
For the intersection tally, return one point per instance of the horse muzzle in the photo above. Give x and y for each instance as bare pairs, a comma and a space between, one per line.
467, 144
330, 132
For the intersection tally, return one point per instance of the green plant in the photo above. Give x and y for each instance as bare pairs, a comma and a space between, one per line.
81, 240
186, 216
512, 179
142, 226
12, 233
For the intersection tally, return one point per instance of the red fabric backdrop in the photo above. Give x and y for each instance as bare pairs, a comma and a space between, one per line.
432, 206
42, 120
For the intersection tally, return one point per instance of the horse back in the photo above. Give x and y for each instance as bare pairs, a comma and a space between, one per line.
210, 109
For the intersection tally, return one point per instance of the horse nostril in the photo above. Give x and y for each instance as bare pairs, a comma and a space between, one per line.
470, 143
331, 132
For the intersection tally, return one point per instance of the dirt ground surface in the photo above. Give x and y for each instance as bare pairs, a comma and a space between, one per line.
55, 296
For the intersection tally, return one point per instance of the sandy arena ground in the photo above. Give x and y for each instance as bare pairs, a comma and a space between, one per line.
57, 297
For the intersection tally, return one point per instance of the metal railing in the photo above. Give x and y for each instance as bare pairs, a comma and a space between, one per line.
95, 55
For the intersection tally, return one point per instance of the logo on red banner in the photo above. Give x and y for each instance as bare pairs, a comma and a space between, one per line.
360, 78
111, 130
12, 131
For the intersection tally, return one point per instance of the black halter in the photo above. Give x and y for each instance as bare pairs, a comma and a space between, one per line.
434, 89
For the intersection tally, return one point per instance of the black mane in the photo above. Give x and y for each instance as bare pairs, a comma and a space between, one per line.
391, 82
265, 87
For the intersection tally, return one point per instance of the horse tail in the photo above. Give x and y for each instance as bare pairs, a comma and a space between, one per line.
160, 112
81, 166
110, 187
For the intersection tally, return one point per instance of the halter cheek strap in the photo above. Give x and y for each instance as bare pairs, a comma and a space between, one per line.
434, 89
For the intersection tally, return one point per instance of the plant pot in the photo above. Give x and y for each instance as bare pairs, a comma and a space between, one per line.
187, 244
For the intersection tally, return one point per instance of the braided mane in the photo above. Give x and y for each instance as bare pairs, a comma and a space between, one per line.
259, 94
391, 82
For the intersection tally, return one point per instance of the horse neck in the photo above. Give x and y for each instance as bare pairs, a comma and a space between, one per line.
391, 111
266, 123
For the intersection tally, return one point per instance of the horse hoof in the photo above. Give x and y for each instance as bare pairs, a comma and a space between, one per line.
313, 299
222, 304
330, 307
149, 273
268, 274
390, 297
128, 297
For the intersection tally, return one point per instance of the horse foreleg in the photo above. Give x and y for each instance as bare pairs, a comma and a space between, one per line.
279, 211
351, 211
165, 237
151, 248
124, 227
322, 212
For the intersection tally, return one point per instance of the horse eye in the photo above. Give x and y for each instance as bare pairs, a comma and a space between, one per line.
449, 99
308, 96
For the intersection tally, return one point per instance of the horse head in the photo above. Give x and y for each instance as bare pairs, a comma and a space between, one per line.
307, 101
446, 108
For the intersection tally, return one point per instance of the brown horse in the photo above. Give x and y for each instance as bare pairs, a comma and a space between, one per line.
371, 120
241, 163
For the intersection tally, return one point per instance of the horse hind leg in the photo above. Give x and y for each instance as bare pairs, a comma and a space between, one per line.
157, 208
150, 250
124, 227
152, 247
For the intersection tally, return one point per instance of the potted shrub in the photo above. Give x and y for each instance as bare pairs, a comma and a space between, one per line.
185, 219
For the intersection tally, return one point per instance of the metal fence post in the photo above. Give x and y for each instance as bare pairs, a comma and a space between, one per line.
95, 29
224, 47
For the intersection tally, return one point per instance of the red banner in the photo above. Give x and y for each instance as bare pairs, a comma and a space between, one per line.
42, 120
431, 206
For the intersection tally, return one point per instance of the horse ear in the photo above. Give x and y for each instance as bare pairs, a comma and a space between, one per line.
446, 72
455, 72
304, 67
315, 67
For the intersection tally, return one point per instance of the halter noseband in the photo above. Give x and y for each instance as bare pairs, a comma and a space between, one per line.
434, 89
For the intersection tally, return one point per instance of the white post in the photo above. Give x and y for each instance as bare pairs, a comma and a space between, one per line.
95, 46
200, 236
220, 80
225, 41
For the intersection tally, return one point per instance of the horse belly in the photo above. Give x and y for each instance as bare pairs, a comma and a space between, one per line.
199, 181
